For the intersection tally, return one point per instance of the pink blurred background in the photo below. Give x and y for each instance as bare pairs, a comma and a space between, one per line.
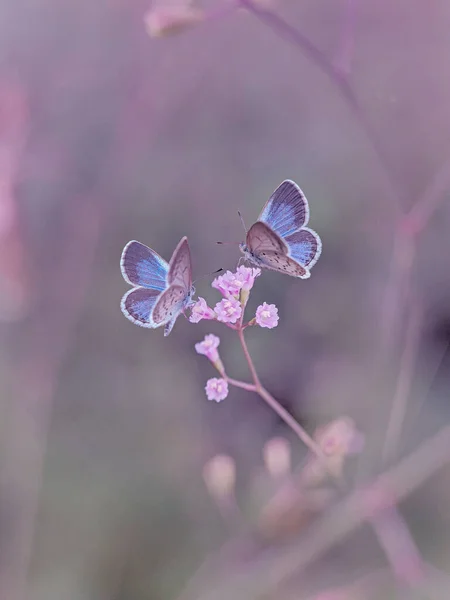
107, 135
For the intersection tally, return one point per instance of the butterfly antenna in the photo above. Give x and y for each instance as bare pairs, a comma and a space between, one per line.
242, 221
209, 274
245, 229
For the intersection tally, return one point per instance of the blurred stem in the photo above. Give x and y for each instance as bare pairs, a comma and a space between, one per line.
265, 575
404, 382
340, 81
399, 547
344, 55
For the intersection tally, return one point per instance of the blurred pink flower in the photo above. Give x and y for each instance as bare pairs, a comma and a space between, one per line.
340, 437
200, 310
227, 284
166, 20
246, 277
337, 440
267, 315
208, 347
228, 310
216, 389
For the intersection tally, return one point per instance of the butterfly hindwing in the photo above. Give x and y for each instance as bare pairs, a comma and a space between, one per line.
283, 264
142, 266
169, 304
137, 305
305, 246
287, 209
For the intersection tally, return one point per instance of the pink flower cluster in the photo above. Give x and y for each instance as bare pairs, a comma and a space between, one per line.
229, 309
235, 289
231, 284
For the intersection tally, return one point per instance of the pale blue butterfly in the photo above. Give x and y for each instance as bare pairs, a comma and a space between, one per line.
279, 239
163, 290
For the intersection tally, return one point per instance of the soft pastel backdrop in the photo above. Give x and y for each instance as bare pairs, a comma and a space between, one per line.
108, 135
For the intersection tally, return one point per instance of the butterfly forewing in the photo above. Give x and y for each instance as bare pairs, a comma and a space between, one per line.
169, 304
142, 266
287, 209
180, 267
137, 305
260, 237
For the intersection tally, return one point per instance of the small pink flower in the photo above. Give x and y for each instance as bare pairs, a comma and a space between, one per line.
200, 310
246, 276
227, 284
228, 310
209, 347
267, 315
216, 389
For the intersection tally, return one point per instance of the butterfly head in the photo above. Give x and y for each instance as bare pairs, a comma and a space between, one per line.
248, 254
188, 301
243, 248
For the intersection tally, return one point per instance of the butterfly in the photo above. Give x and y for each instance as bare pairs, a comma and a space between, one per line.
162, 290
279, 239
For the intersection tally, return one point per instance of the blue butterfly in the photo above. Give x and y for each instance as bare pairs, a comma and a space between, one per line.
163, 290
279, 239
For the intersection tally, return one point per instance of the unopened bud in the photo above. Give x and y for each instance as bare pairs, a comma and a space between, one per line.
219, 475
277, 456
160, 22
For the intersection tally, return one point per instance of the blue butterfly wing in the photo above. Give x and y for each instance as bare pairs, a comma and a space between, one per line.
142, 266
287, 209
305, 247
138, 304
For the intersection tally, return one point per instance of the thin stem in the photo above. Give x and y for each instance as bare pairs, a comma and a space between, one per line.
275, 405
289, 420
403, 387
248, 358
250, 387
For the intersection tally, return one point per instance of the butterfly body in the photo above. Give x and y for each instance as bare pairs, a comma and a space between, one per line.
162, 291
279, 239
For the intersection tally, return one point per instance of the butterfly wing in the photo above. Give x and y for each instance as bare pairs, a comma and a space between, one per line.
142, 266
283, 264
169, 306
180, 266
271, 251
305, 246
287, 209
137, 305
260, 238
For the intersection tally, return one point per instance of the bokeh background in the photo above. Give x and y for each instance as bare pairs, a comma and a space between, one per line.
107, 135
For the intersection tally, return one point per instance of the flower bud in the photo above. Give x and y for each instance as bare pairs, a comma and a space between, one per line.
219, 475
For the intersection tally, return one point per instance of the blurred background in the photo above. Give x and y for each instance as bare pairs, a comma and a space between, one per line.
109, 134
